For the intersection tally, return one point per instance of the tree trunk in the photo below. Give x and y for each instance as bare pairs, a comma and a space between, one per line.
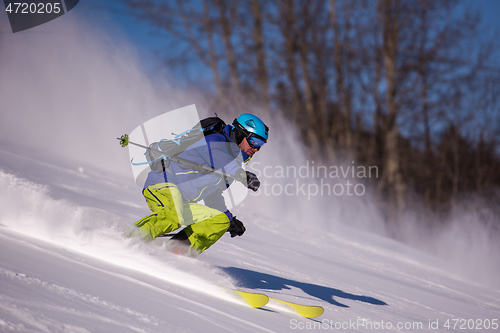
287, 30
456, 165
258, 36
344, 105
311, 117
207, 23
389, 51
377, 115
226, 37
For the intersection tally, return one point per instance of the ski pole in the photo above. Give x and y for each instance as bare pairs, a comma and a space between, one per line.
124, 142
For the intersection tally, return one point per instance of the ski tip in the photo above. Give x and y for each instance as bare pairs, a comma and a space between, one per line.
255, 300
306, 311
312, 312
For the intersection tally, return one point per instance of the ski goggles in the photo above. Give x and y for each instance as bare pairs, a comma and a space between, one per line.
255, 141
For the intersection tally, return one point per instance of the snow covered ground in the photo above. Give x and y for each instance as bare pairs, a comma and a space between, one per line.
65, 267
67, 196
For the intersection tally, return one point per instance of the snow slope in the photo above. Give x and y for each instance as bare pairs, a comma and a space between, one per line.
67, 197
65, 267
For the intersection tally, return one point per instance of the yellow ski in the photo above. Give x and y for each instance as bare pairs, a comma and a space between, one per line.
258, 300
255, 300
306, 311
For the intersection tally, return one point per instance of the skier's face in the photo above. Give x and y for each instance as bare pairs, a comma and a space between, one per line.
244, 146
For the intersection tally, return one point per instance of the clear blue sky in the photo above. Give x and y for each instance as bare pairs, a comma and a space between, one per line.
138, 32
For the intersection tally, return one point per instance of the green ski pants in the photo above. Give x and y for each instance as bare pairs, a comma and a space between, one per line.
204, 225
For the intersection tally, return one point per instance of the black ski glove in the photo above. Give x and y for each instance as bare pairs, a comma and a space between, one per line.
249, 179
236, 228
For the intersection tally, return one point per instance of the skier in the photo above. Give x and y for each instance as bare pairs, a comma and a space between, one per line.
172, 194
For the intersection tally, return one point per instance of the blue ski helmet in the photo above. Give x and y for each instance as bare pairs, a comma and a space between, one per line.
253, 128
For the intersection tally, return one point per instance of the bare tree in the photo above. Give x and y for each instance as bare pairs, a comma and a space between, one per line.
393, 81
340, 63
226, 32
260, 51
286, 23
212, 62
389, 14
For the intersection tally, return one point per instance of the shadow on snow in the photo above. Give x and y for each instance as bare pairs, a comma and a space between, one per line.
256, 280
